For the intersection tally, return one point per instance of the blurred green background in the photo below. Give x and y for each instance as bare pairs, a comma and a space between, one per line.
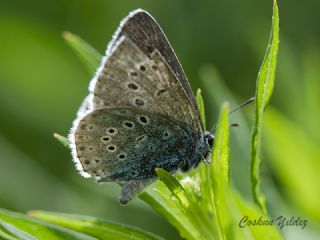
220, 45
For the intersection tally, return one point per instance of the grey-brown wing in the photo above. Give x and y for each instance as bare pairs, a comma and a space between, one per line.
140, 27
121, 144
128, 77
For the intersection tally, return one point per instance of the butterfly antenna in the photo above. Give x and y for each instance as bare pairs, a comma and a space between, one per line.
243, 104
213, 130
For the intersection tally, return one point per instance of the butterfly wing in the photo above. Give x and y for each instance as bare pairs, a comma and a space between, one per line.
128, 77
146, 33
140, 72
121, 144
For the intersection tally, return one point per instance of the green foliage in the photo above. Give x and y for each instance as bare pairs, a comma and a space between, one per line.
98, 228
23, 227
174, 187
265, 83
201, 204
201, 107
55, 226
303, 152
90, 56
220, 171
61, 139
291, 137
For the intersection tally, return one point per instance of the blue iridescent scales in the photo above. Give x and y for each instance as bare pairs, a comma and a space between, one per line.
140, 113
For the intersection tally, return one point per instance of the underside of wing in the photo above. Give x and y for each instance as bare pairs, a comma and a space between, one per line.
139, 76
128, 77
120, 144
146, 33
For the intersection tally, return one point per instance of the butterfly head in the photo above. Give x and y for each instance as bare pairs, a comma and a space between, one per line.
209, 138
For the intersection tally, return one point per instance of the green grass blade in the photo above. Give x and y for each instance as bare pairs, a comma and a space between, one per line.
65, 141
265, 82
204, 170
220, 156
39, 229
229, 207
241, 210
201, 107
180, 203
159, 198
5, 236
90, 56
9, 231
95, 227
183, 201
220, 169
174, 186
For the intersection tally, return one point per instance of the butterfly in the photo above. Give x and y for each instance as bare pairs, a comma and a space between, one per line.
140, 114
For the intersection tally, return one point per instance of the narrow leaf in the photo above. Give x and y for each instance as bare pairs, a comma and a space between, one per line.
90, 56
6, 236
204, 169
265, 83
174, 186
220, 157
220, 170
39, 229
201, 107
244, 213
95, 227
159, 198
178, 202
65, 141
9, 231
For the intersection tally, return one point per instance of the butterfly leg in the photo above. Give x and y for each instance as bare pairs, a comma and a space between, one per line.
133, 187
